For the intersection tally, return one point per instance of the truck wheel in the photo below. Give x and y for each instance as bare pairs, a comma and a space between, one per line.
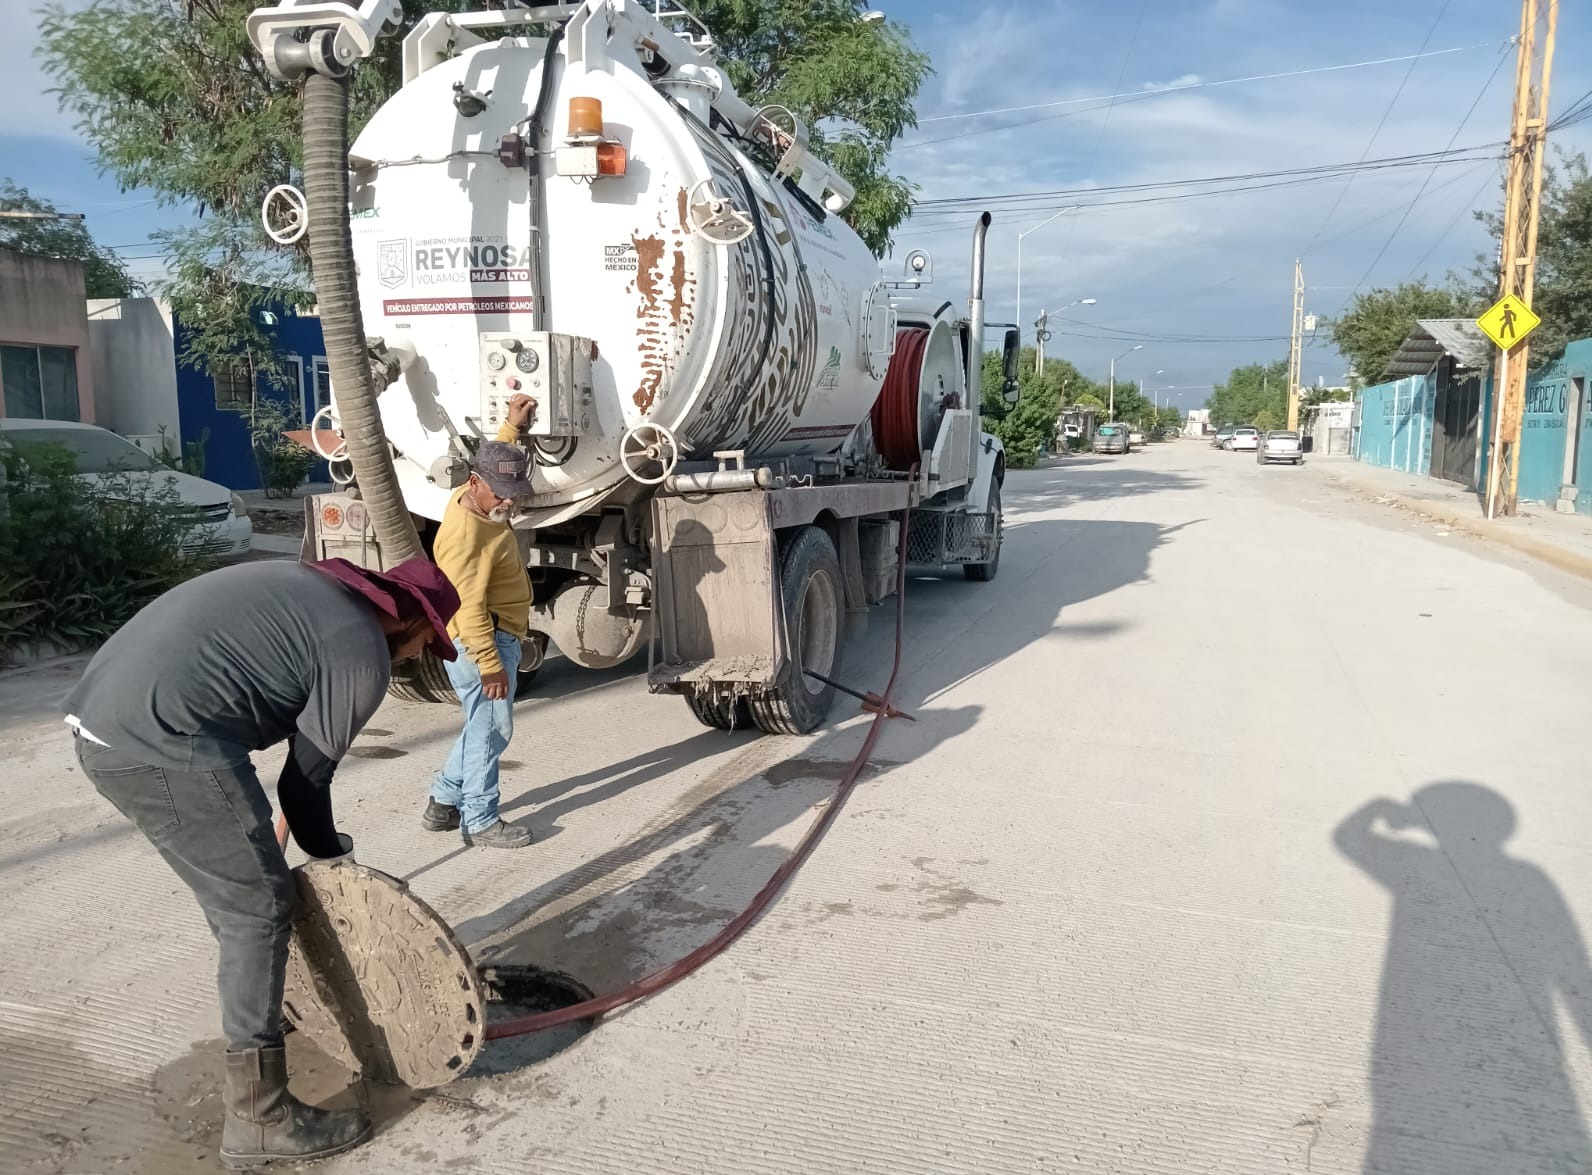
424, 679
716, 710
810, 588
984, 572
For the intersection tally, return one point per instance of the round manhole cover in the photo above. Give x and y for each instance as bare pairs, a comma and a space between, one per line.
378, 981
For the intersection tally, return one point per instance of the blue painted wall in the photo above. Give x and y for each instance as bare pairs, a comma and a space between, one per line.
229, 456
1396, 424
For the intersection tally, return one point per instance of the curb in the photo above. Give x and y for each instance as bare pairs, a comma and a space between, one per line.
1555, 556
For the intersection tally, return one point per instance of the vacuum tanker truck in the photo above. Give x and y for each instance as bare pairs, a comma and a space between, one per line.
735, 411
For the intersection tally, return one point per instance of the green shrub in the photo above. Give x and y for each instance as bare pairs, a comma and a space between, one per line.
283, 465
81, 555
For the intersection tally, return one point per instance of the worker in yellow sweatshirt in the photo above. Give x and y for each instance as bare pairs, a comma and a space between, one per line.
476, 549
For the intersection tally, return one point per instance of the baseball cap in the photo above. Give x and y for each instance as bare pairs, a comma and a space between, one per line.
505, 468
420, 580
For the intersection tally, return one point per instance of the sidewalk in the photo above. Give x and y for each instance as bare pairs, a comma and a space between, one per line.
1563, 540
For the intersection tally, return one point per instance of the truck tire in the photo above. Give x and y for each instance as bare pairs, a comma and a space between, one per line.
984, 572
811, 593
425, 679
716, 711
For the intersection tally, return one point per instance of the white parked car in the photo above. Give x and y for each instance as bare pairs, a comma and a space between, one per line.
224, 528
1136, 438
1280, 445
1245, 439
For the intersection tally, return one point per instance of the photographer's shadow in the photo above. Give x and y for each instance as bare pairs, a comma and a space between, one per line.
1468, 1067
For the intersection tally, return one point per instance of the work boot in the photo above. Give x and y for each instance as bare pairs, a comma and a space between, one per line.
264, 1122
499, 836
439, 817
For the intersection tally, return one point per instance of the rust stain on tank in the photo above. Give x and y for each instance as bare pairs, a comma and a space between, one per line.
677, 300
649, 337
685, 217
649, 251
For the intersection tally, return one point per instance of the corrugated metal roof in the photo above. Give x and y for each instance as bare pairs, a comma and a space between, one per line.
1433, 338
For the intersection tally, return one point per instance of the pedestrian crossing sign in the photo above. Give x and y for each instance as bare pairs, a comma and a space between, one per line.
1509, 321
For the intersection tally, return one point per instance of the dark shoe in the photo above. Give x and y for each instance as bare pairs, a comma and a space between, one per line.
499, 836
439, 817
265, 1123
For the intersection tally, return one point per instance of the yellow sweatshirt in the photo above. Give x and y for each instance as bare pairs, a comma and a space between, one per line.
482, 558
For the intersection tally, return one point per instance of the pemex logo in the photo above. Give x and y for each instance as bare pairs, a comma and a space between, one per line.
392, 263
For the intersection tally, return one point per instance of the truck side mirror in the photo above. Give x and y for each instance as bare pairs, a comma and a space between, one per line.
1011, 356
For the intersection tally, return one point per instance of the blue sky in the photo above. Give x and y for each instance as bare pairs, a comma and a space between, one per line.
1190, 269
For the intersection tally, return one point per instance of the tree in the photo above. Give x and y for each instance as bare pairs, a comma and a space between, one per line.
178, 101
1032, 421
1369, 333
1562, 290
852, 82
104, 274
1251, 393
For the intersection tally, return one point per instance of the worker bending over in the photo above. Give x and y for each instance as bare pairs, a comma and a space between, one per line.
166, 717
476, 548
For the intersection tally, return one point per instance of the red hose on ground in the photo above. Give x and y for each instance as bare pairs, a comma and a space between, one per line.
895, 412
671, 973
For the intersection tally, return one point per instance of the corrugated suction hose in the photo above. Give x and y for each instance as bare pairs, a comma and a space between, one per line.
331, 250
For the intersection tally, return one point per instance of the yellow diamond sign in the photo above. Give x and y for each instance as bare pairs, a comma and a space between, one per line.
1509, 321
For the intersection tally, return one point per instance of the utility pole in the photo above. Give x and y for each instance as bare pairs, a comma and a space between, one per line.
1517, 261
1296, 347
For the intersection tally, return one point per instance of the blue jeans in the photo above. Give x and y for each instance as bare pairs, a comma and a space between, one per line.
469, 779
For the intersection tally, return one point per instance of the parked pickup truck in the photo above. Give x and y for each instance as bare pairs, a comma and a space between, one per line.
1280, 445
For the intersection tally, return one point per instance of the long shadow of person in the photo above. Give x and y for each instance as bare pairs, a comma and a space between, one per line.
1468, 1070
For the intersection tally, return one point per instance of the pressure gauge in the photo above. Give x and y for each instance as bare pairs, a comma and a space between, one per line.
526, 360
496, 360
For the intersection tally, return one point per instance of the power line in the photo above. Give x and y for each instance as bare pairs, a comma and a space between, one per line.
1441, 12
1443, 236
1027, 202
1482, 93
1159, 91
1133, 41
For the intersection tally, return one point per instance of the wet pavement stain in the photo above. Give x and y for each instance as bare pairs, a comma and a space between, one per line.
376, 752
944, 894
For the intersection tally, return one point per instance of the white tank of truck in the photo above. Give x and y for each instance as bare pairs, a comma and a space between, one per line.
679, 284
740, 438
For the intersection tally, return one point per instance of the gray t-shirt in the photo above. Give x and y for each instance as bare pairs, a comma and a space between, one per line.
234, 661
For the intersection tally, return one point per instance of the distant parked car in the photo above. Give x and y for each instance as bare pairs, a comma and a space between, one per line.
1111, 438
223, 528
1243, 439
1280, 445
1136, 438
1222, 436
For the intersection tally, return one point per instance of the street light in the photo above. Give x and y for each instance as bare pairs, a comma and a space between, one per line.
1162, 371
1020, 236
1042, 331
1113, 407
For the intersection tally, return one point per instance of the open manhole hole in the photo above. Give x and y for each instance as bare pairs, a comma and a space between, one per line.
521, 989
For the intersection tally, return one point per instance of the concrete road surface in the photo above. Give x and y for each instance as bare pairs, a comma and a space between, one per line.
1244, 830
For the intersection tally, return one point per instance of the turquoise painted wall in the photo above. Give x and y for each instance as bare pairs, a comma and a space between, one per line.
1543, 429
1396, 424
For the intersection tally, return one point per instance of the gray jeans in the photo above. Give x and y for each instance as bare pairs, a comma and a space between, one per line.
215, 830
